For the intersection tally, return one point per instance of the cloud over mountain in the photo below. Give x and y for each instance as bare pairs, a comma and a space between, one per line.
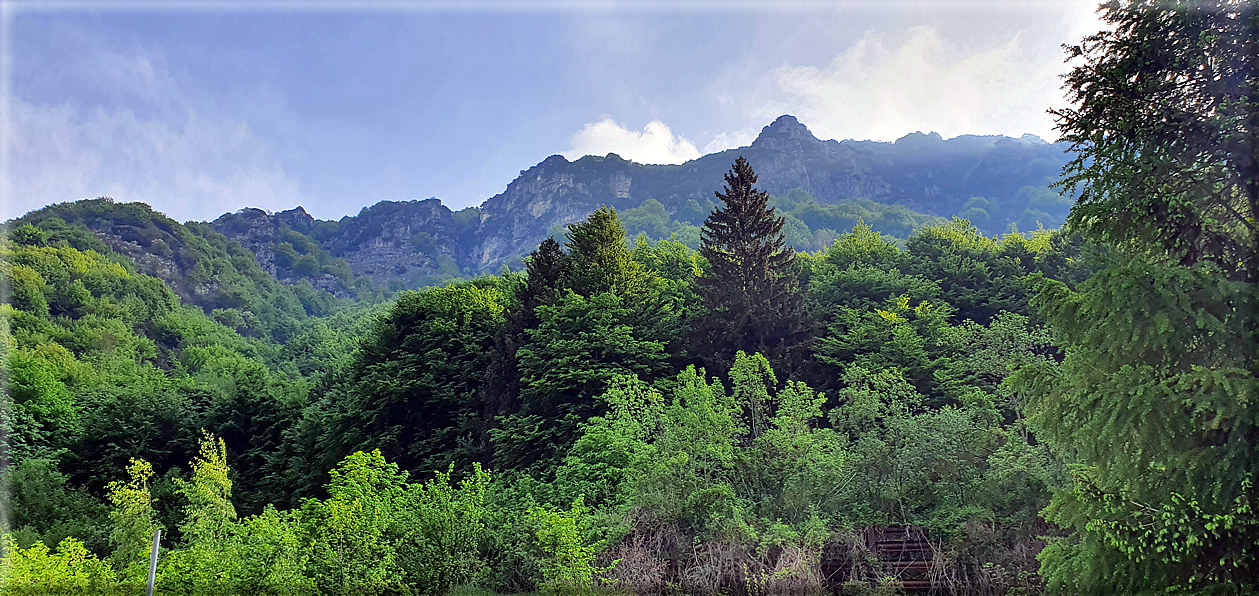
655, 144
918, 80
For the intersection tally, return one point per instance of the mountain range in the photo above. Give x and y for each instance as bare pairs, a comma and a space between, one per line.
821, 187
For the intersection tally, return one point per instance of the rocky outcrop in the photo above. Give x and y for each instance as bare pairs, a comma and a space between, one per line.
922, 172
553, 193
264, 234
397, 241
255, 230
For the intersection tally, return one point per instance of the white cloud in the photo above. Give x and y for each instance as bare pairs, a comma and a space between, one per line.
978, 69
655, 144
728, 140
885, 86
191, 168
153, 146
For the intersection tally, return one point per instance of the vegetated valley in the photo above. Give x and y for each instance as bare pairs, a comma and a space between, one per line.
795, 367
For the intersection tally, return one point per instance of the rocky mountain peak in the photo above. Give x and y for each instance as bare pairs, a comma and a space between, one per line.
785, 127
297, 218
919, 138
407, 244
554, 160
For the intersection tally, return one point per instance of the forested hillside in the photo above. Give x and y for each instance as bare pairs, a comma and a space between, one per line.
534, 376
204, 268
742, 408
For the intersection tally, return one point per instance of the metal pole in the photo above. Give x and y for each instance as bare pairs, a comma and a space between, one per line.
157, 535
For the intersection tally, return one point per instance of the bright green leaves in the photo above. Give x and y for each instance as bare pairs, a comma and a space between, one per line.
582, 317
870, 399
222, 554
377, 533
110, 366
1181, 532
685, 457
439, 528
863, 247
567, 564
979, 276
752, 379
42, 416
910, 337
670, 260
348, 534
209, 509
598, 259
1160, 397
1154, 398
580, 343
134, 521
606, 455
70, 570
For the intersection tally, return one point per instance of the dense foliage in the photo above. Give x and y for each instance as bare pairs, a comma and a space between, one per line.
574, 381
1153, 406
1068, 412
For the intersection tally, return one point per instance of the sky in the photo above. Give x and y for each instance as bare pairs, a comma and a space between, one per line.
205, 108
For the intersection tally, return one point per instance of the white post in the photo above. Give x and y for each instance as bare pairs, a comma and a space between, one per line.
157, 535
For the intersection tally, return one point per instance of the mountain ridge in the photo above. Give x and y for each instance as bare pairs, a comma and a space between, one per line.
822, 186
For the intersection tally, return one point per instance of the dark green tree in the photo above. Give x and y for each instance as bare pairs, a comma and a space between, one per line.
544, 274
752, 296
603, 315
542, 283
579, 345
416, 385
1153, 403
1165, 131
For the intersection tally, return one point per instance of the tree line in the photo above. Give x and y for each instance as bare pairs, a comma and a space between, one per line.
1062, 411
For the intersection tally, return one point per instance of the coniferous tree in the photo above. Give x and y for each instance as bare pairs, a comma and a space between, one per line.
545, 271
1153, 403
591, 318
1164, 132
598, 258
751, 295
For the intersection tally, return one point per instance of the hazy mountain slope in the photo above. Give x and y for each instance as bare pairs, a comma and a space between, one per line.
922, 172
823, 187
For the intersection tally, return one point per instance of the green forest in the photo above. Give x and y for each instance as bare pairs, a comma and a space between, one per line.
1069, 411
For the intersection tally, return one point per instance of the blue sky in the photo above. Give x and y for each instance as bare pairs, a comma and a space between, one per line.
201, 109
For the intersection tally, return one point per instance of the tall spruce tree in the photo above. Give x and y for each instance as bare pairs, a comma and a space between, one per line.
545, 271
751, 295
